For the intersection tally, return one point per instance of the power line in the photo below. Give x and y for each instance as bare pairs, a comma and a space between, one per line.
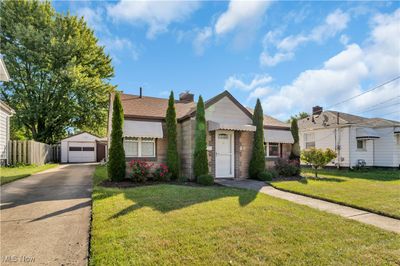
389, 100
374, 88
381, 107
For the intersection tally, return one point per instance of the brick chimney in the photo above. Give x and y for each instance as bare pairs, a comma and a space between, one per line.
317, 110
186, 97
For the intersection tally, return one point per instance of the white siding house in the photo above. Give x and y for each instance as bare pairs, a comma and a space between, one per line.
355, 139
5, 113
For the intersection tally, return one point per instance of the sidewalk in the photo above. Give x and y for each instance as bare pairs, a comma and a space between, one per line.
386, 223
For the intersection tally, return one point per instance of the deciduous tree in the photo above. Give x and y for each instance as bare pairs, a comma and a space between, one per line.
59, 73
318, 158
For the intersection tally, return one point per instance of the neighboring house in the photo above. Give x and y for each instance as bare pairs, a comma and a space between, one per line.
229, 133
83, 148
5, 113
355, 139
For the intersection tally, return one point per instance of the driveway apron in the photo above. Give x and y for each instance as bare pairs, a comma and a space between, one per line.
45, 218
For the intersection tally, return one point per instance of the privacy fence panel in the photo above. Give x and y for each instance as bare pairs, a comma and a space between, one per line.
33, 152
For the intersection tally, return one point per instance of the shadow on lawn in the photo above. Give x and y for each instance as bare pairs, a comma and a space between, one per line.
166, 198
322, 179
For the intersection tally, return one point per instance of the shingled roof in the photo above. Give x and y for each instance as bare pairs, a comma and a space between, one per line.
151, 107
269, 121
146, 107
329, 119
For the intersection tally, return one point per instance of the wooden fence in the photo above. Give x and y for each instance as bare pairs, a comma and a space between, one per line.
32, 152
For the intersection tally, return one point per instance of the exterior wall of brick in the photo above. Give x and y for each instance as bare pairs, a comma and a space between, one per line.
244, 151
187, 147
286, 148
211, 152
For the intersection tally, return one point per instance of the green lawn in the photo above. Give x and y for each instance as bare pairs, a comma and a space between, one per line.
9, 174
181, 225
375, 190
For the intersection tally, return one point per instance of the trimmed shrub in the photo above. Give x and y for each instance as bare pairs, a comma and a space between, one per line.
172, 147
318, 158
140, 170
200, 160
162, 173
205, 180
295, 152
116, 159
287, 168
257, 163
267, 175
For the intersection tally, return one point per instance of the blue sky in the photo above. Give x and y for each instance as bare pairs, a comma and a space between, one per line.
291, 55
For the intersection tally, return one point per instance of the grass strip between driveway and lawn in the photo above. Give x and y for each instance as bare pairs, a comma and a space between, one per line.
10, 174
181, 225
372, 190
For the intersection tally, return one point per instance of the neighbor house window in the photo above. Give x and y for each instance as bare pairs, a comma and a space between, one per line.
140, 147
361, 144
309, 139
272, 149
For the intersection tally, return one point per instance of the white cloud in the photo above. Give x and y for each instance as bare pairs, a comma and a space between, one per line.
157, 15
383, 54
344, 39
235, 82
93, 17
334, 23
258, 93
267, 60
116, 44
202, 39
240, 14
348, 73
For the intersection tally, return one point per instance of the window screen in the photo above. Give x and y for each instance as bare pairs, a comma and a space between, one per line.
88, 148
75, 148
147, 149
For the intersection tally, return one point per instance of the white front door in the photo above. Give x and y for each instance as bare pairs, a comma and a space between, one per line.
224, 154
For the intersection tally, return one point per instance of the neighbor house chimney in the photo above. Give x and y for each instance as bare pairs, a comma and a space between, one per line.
140, 92
186, 97
317, 110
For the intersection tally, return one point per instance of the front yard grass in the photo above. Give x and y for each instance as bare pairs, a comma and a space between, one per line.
182, 225
9, 174
374, 189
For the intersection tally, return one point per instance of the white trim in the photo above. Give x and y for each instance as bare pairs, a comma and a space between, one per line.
139, 141
267, 150
232, 134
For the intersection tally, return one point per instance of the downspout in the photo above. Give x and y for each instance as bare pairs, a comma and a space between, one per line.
338, 147
350, 148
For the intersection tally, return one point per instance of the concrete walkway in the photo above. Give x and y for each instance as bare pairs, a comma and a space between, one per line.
45, 218
380, 221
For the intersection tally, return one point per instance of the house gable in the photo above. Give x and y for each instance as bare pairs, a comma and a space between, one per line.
225, 109
84, 136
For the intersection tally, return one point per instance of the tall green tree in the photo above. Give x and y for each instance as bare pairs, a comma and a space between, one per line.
116, 161
295, 153
257, 163
172, 147
59, 73
200, 160
299, 116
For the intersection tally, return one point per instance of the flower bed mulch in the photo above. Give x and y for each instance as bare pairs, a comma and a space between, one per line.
127, 183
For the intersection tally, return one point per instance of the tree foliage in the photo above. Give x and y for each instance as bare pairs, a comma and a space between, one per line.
318, 158
172, 147
257, 163
295, 153
59, 73
116, 161
299, 116
200, 160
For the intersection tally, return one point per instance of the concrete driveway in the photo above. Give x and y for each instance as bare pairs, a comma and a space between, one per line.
45, 218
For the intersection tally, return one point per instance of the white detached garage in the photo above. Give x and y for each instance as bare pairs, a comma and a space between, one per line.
80, 148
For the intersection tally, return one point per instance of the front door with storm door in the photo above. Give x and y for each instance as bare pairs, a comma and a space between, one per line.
224, 154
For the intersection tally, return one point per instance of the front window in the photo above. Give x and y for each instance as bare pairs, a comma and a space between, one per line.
360, 144
139, 147
309, 139
272, 149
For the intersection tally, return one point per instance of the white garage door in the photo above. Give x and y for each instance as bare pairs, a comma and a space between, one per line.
81, 152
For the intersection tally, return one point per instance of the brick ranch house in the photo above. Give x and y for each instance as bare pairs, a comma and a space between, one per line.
229, 133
